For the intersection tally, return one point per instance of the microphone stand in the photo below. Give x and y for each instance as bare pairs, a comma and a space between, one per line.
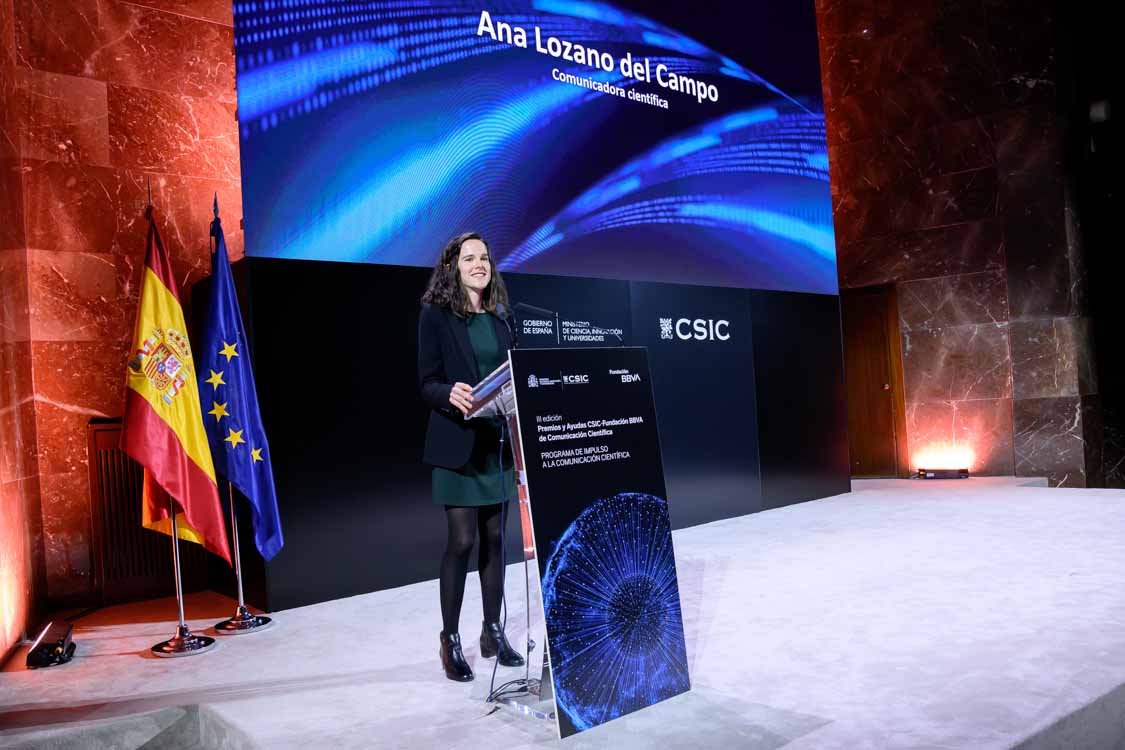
506, 694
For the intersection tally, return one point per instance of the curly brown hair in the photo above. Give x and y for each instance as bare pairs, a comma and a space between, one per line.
445, 290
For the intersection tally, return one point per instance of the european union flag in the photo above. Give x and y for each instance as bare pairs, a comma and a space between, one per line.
230, 402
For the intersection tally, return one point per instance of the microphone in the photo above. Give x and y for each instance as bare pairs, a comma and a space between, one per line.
533, 309
505, 315
610, 331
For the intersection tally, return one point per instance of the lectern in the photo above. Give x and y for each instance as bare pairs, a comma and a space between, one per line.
594, 515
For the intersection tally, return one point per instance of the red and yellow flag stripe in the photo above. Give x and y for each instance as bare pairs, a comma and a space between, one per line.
163, 426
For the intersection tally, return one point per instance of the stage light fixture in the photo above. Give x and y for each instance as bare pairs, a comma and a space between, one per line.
53, 646
943, 473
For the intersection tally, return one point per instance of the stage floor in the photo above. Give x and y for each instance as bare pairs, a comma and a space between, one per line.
976, 614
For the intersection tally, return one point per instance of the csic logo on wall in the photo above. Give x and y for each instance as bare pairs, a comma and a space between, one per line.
576, 379
699, 329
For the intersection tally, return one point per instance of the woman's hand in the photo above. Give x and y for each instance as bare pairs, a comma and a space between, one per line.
462, 397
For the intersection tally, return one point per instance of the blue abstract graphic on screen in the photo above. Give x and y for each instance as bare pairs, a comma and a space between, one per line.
373, 131
610, 590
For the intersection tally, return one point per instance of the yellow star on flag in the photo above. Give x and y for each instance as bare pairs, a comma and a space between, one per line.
256, 454
219, 411
234, 438
216, 379
228, 350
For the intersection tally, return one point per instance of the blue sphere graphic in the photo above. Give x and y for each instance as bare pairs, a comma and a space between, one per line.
611, 596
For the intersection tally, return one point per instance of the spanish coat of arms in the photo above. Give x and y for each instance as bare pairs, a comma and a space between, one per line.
165, 360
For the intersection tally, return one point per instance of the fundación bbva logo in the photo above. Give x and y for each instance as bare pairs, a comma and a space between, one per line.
700, 329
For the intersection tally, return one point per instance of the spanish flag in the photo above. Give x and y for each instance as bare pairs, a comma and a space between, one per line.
163, 426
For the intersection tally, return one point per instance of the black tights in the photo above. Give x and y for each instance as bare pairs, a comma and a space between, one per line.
464, 524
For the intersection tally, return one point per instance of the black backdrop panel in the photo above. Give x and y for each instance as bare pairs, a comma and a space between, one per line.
335, 351
703, 382
335, 348
802, 411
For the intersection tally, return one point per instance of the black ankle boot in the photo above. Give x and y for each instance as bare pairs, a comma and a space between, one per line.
456, 668
493, 642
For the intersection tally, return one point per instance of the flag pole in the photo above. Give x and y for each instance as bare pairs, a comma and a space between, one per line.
243, 620
184, 642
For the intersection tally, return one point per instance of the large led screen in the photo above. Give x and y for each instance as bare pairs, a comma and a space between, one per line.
658, 141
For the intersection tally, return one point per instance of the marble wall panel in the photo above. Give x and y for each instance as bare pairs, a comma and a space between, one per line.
1113, 453
12, 234
22, 571
1093, 435
7, 33
1049, 440
1029, 156
9, 109
1052, 358
937, 96
1040, 281
1022, 36
57, 37
18, 455
940, 251
218, 11
957, 363
64, 118
13, 303
84, 208
82, 296
913, 155
15, 572
129, 44
1076, 252
983, 426
163, 51
75, 381
876, 18
965, 299
951, 38
15, 378
65, 500
20, 458
158, 132
933, 202
101, 210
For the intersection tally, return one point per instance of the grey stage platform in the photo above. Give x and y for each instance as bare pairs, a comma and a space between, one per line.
976, 614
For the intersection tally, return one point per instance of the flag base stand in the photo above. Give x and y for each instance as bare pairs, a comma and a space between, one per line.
183, 643
243, 622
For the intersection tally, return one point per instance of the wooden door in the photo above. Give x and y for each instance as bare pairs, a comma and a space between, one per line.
873, 374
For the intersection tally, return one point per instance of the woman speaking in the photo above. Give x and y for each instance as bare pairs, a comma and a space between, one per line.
461, 339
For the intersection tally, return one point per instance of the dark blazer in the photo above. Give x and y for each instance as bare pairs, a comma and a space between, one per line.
445, 357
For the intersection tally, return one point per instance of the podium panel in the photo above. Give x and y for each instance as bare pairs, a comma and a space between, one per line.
594, 474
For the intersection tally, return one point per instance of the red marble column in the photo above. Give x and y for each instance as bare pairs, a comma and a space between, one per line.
116, 99
21, 543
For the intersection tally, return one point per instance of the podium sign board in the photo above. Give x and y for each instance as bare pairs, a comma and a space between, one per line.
591, 453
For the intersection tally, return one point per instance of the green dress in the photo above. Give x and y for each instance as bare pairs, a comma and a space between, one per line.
479, 482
